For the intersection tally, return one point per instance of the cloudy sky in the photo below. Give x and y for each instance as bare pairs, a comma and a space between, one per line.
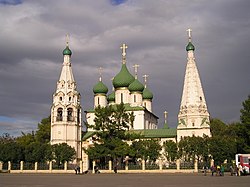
32, 38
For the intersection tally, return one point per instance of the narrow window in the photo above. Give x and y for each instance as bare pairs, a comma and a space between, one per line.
59, 116
121, 97
135, 98
69, 98
78, 115
70, 114
60, 98
200, 98
98, 101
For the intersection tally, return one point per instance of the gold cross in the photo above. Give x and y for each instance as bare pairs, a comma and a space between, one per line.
189, 34
145, 79
67, 39
136, 66
165, 116
124, 47
100, 73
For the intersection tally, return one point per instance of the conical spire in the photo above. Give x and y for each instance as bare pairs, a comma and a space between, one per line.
66, 78
193, 112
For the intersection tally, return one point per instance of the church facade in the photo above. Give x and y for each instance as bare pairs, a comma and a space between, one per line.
66, 114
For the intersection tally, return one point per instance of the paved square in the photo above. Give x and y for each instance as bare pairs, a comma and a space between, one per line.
121, 180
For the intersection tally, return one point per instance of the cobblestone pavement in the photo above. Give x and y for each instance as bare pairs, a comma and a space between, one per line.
121, 180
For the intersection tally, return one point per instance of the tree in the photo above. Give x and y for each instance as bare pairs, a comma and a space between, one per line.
223, 143
170, 150
194, 147
146, 149
222, 148
111, 126
245, 112
11, 151
245, 120
43, 132
63, 152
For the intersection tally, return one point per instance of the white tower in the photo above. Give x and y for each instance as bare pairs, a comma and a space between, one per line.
66, 108
193, 118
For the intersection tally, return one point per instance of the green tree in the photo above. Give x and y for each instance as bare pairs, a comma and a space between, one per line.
245, 120
146, 149
111, 126
170, 150
43, 133
194, 147
63, 152
11, 151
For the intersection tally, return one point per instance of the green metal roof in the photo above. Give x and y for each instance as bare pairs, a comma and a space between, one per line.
111, 97
190, 47
67, 51
123, 78
147, 94
136, 86
145, 133
100, 88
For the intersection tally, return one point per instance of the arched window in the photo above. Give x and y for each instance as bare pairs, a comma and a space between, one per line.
70, 114
59, 116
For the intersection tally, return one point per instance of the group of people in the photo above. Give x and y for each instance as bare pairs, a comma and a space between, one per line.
218, 170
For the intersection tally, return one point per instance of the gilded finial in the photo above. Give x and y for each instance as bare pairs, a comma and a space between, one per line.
145, 79
100, 73
189, 34
136, 66
123, 48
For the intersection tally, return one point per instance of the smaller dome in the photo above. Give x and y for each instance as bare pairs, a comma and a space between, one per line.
147, 94
136, 86
190, 47
100, 88
111, 97
67, 51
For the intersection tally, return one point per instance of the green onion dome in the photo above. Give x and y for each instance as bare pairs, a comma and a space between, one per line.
136, 86
111, 97
100, 88
190, 47
147, 94
123, 78
67, 51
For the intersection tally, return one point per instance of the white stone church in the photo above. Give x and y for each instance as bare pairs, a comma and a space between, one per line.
66, 109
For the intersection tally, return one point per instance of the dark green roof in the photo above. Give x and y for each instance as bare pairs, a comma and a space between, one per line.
111, 97
190, 47
147, 94
123, 78
100, 88
136, 86
145, 133
67, 51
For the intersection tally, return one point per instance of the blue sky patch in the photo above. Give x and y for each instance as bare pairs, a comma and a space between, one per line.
117, 2
10, 2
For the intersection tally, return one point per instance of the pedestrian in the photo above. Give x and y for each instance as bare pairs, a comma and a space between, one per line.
205, 170
231, 170
212, 168
222, 169
115, 169
78, 169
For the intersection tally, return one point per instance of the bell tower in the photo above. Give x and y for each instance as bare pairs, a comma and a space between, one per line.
66, 108
193, 118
